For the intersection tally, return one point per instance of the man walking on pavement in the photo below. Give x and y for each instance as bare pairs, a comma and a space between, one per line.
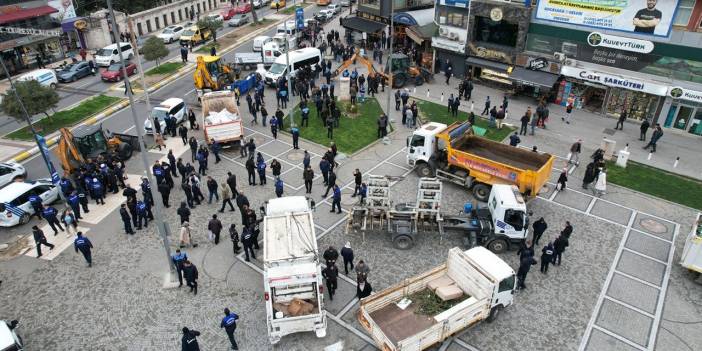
657, 134
234, 236
226, 198
308, 176
84, 245
575, 150
189, 340
229, 325
247, 238
525, 264
567, 230
179, 259
540, 227
486, 110
190, 274
336, 199
644, 128
49, 213
331, 181
546, 257
330, 274
215, 226
40, 239
126, 219
347, 255
620, 121
559, 246
524, 123
358, 179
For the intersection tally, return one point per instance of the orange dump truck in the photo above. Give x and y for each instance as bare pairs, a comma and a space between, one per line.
453, 153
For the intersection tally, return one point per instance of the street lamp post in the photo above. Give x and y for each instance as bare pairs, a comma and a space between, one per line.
392, 22
140, 69
161, 225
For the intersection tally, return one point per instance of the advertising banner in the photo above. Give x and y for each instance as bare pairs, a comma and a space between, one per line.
44, 149
647, 17
300, 18
65, 8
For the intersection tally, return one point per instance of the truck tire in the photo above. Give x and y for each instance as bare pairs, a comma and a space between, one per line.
424, 170
403, 242
481, 192
24, 219
498, 246
125, 151
399, 80
494, 313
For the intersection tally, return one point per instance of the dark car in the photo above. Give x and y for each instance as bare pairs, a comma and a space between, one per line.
73, 72
113, 73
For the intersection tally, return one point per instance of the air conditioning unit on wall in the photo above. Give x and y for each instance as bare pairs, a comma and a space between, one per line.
559, 56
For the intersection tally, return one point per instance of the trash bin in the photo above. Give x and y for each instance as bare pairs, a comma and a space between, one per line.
608, 146
622, 158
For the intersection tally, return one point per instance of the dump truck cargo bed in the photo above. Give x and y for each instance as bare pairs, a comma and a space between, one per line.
498, 152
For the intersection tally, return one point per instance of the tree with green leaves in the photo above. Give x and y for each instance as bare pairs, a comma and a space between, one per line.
212, 24
154, 49
36, 98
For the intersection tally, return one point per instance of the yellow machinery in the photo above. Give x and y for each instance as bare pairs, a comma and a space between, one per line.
402, 70
211, 73
362, 60
91, 142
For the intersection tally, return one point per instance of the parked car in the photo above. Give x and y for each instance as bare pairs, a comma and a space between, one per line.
335, 8
170, 34
14, 200
172, 106
216, 17
228, 13
281, 4
345, 3
10, 172
73, 72
243, 8
109, 54
260, 3
114, 72
324, 15
46, 77
239, 20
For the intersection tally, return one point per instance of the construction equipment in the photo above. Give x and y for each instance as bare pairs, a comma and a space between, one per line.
212, 74
357, 57
91, 142
404, 70
452, 153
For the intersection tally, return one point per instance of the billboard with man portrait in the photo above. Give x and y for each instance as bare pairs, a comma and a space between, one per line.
647, 17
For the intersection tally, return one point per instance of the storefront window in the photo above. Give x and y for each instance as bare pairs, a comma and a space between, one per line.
685, 115
369, 3
501, 33
638, 105
451, 17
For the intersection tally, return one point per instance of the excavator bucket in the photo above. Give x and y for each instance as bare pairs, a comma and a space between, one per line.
67, 152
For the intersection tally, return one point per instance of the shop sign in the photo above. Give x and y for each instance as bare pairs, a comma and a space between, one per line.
685, 94
621, 43
640, 17
615, 81
456, 3
496, 14
450, 45
490, 54
80, 24
537, 64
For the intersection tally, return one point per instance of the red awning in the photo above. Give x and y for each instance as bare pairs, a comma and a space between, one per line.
26, 14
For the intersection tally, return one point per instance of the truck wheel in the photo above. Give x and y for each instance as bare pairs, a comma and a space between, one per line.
494, 312
403, 242
498, 246
418, 80
125, 151
399, 80
481, 192
423, 170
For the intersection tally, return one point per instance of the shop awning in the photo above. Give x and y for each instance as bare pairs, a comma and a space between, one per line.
534, 78
415, 18
421, 33
477, 61
361, 24
23, 14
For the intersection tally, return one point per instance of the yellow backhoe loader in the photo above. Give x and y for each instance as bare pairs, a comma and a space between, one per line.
212, 74
91, 142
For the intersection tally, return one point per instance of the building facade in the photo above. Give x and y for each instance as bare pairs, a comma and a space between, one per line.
644, 61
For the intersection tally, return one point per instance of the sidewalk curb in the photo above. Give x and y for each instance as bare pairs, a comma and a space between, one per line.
50, 141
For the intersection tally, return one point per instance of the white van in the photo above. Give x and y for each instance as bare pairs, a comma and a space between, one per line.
109, 55
45, 77
291, 28
298, 59
259, 41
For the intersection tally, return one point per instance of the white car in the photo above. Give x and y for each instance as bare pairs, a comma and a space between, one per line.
239, 20
335, 8
170, 34
260, 3
9, 340
14, 200
216, 17
172, 106
10, 172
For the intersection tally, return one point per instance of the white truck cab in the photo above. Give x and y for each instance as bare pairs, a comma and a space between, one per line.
505, 221
421, 142
292, 277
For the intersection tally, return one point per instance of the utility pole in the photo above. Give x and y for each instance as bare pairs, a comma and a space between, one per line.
161, 225
287, 66
392, 23
137, 55
40, 144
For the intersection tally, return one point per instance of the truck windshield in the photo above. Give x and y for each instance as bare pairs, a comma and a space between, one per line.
277, 68
417, 140
515, 218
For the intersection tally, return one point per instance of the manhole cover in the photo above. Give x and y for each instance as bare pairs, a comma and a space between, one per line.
295, 155
653, 226
608, 131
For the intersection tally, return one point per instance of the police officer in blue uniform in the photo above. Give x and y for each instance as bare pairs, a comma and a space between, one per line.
126, 219
66, 187
83, 200
142, 215
84, 245
97, 191
279, 187
37, 205
49, 213
74, 201
229, 325
179, 259
336, 199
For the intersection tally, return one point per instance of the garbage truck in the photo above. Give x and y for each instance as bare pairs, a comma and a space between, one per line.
455, 154
221, 120
292, 276
472, 286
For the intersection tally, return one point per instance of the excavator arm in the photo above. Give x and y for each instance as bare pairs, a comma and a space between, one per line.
67, 152
362, 60
202, 77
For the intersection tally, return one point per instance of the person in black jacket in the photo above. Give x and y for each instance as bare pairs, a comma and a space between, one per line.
231, 181
330, 274
126, 219
183, 213
559, 246
165, 191
567, 230
189, 340
241, 201
526, 249
525, 264
330, 255
540, 227
546, 257
215, 226
363, 289
190, 274
251, 170
331, 183
358, 179
347, 254
40, 239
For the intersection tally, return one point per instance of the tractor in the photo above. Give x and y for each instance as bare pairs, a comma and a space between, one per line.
91, 142
404, 70
212, 74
